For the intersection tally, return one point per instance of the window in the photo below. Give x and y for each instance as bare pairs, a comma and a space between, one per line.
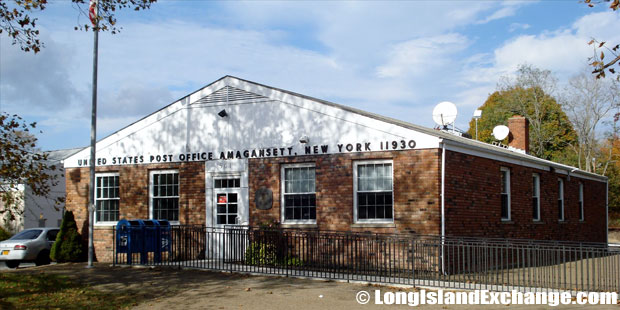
299, 193
51, 235
373, 190
536, 197
560, 199
227, 200
227, 208
505, 195
27, 234
165, 195
581, 213
227, 183
107, 197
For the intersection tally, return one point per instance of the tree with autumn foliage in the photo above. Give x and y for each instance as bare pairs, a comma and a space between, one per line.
17, 21
528, 94
22, 165
611, 169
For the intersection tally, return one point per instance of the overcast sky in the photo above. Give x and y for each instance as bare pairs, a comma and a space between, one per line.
397, 59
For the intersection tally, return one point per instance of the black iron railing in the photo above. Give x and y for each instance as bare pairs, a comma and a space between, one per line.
420, 260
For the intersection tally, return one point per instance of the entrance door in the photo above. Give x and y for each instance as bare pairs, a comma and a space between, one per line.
229, 218
228, 202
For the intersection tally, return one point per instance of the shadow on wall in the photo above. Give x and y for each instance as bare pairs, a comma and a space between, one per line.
253, 124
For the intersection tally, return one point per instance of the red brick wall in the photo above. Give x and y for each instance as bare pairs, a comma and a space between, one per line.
473, 202
416, 190
134, 198
472, 196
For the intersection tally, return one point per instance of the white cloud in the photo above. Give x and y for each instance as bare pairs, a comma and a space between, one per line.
560, 53
474, 97
499, 14
518, 26
415, 57
565, 52
133, 100
396, 60
603, 26
37, 83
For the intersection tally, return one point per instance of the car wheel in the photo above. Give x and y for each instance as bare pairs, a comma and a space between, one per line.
43, 258
12, 263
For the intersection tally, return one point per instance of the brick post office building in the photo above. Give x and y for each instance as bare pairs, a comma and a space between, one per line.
206, 158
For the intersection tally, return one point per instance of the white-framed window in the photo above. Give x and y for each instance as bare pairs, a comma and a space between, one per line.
373, 191
536, 197
582, 215
164, 195
107, 197
298, 197
505, 194
227, 199
561, 199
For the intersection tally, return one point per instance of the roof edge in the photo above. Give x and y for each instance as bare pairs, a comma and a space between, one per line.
407, 125
531, 159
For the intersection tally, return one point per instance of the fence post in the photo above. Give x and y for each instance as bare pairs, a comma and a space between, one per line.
114, 245
412, 250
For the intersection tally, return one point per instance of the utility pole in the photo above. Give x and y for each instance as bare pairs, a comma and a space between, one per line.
92, 13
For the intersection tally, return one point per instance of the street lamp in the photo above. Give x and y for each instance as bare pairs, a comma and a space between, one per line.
477, 115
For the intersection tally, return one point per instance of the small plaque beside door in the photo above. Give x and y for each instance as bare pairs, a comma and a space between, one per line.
263, 199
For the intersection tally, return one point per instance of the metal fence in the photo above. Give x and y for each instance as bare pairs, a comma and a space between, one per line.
449, 262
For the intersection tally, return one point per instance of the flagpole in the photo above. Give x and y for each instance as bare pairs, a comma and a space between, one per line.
93, 142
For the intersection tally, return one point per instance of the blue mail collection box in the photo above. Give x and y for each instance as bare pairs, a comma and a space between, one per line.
129, 236
142, 236
151, 232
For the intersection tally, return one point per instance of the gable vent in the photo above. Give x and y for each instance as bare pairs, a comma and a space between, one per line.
228, 94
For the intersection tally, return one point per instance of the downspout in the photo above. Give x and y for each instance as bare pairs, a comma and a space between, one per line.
443, 220
607, 210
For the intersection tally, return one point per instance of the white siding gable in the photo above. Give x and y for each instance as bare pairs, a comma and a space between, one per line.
261, 121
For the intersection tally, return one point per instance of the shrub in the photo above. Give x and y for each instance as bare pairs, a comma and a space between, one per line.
4, 234
260, 253
270, 248
293, 262
68, 246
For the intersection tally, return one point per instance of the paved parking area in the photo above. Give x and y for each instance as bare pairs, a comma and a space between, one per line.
167, 288
22, 265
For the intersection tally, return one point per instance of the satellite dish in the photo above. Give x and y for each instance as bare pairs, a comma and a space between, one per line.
500, 132
444, 113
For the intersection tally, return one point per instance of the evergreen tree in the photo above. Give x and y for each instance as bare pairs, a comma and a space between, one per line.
4, 234
68, 246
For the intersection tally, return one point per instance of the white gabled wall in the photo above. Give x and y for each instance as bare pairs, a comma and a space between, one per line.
275, 124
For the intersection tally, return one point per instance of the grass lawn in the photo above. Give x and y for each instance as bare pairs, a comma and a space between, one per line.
48, 291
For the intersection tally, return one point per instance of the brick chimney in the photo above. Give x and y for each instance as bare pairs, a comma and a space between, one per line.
519, 136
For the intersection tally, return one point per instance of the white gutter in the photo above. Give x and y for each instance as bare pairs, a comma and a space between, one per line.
443, 182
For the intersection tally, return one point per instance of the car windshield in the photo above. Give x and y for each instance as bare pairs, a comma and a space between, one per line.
27, 235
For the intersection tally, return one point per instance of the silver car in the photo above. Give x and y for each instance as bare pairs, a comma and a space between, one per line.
30, 245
